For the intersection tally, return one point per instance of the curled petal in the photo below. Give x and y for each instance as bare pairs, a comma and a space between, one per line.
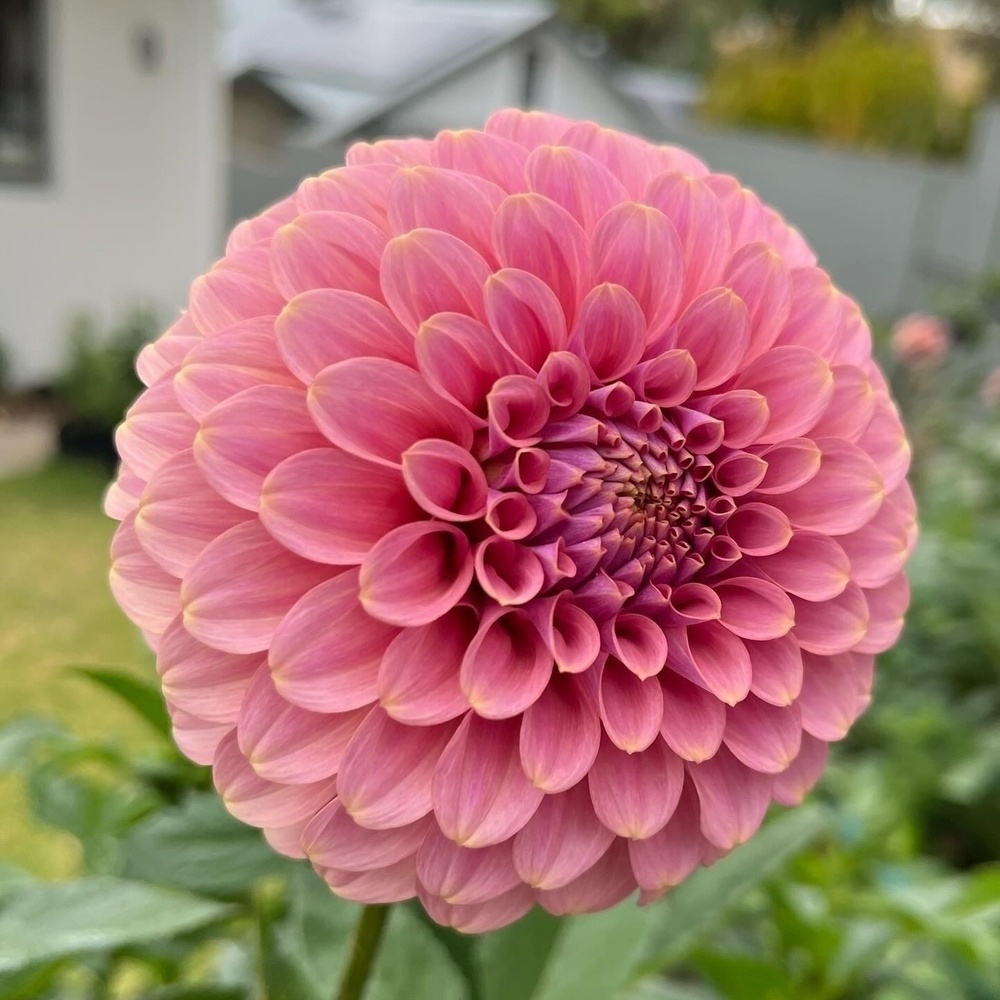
517, 410
444, 479
464, 875
326, 652
385, 777
569, 632
427, 272
241, 586
418, 680
566, 382
509, 572
510, 515
327, 250
481, 794
574, 180
638, 642
851, 406
754, 609
631, 709
732, 797
296, 507
561, 841
461, 360
506, 667
744, 414
666, 379
739, 473
635, 794
790, 465
533, 234
525, 315
288, 744
331, 839
416, 573
759, 529
236, 462
564, 716
160, 359
321, 327
709, 655
394, 152
340, 401
764, 737
253, 800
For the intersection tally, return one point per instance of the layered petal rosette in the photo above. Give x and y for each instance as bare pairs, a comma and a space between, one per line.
515, 515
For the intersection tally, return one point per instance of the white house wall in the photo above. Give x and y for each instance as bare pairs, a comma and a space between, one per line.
133, 206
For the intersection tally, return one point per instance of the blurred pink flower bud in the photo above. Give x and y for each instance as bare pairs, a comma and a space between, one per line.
920, 339
990, 390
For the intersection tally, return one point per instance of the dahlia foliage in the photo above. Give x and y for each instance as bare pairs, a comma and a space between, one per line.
514, 515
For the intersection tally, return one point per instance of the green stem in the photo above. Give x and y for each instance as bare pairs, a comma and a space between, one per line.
367, 938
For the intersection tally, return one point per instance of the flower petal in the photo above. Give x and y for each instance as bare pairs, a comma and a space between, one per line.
832, 626
733, 799
763, 737
709, 655
408, 410
776, 666
240, 588
693, 718
481, 794
635, 794
155, 429
791, 786
561, 841
760, 278
671, 854
326, 652
478, 918
812, 566
715, 330
464, 875
631, 708
247, 436
386, 774
314, 504
379, 886
145, 591
564, 716
525, 315
482, 154
416, 573
754, 609
604, 884
610, 333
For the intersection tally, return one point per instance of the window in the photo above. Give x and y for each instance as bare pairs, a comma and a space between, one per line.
23, 111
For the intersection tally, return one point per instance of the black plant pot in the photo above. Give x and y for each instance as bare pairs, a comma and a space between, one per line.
82, 438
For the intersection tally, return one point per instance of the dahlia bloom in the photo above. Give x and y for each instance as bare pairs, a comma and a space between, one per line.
514, 515
920, 339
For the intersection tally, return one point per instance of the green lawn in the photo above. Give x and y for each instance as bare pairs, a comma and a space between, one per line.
56, 611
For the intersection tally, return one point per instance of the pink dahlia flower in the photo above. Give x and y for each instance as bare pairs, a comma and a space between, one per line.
515, 515
920, 339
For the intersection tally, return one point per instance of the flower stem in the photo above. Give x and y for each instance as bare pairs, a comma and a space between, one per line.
367, 938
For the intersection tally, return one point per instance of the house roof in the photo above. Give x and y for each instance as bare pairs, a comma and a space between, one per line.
345, 62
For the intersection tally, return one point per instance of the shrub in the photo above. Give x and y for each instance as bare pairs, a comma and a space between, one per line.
861, 85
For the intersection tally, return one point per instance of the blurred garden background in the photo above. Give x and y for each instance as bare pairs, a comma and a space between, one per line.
132, 134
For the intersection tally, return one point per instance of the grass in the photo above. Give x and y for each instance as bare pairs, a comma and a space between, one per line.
57, 611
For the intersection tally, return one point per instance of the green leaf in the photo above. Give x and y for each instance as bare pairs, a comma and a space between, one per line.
142, 697
198, 846
19, 738
462, 949
513, 959
594, 955
701, 901
744, 977
49, 920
